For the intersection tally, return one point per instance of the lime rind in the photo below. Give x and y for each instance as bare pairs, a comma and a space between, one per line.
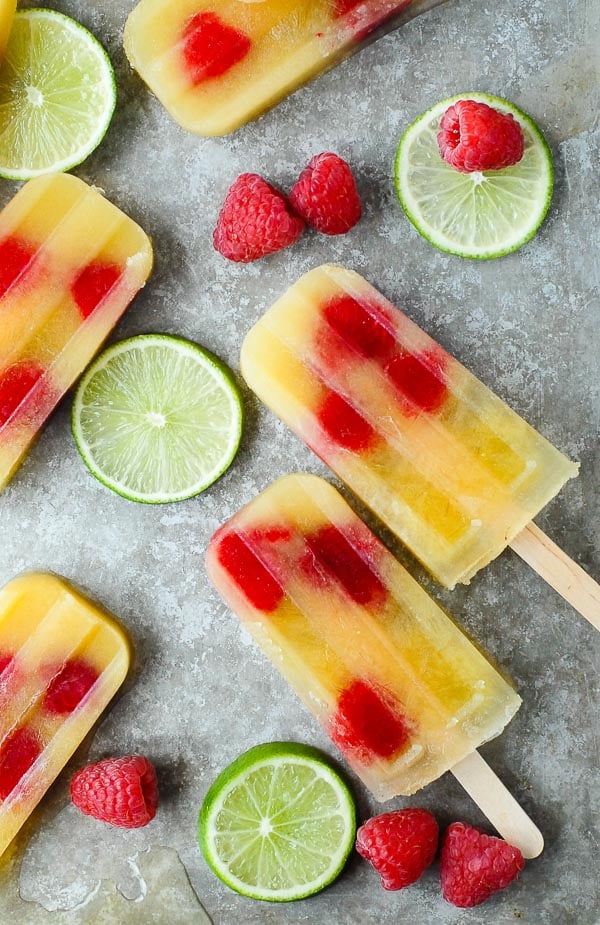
288, 858
481, 215
57, 95
188, 396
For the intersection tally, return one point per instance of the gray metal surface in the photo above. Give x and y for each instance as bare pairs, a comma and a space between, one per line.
527, 325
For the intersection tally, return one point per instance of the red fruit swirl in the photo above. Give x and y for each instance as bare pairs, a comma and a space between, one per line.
93, 284
369, 724
345, 426
15, 255
330, 551
68, 688
361, 325
250, 574
16, 383
211, 47
424, 389
18, 753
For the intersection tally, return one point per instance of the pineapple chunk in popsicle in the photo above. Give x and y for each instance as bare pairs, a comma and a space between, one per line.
70, 264
62, 659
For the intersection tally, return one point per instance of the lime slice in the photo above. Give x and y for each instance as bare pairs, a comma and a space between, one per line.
157, 418
57, 95
277, 824
482, 214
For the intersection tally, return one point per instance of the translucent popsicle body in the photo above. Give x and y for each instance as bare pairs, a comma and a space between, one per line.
7, 12
396, 685
62, 659
447, 465
70, 264
216, 65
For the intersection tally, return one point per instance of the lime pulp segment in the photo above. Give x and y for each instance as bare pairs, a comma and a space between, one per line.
482, 214
57, 95
157, 419
278, 824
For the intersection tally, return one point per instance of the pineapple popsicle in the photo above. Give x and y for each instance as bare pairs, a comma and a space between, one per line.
62, 659
7, 12
448, 466
216, 65
395, 684
70, 264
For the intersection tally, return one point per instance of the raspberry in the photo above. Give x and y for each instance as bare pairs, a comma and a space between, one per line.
69, 686
6, 660
254, 221
16, 383
211, 47
423, 389
18, 753
474, 137
93, 284
363, 326
325, 195
369, 723
15, 256
344, 425
250, 574
474, 865
121, 791
400, 845
331, 551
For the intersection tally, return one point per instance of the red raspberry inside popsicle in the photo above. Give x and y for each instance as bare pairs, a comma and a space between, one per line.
211, 47
369, 723
15, 384
15, 255
68, 688
17, 754
361, 326
344, 425
331, 551
93, 284
250, 574
5, 660
423, 387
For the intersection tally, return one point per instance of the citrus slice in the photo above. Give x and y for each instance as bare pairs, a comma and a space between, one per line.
157, 418
278, 824
482, 214
57, 95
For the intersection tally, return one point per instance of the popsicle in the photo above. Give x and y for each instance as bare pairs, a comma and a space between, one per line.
62, 659
70, 264
216, 64
7, 12
396, 685
449, 467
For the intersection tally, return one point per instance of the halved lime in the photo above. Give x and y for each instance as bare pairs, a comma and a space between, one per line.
483, 214
157, 418
57, 95
278, 824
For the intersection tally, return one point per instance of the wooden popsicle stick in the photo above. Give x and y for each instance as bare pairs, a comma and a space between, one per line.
559, 571
499, 805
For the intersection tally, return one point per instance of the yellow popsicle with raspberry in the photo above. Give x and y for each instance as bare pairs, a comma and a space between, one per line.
62, 659
216, 64
70, 264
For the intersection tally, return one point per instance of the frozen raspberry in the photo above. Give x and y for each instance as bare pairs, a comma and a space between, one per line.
325, 195
15, 256
93, 284
251, 575
330, 550
211, 47
254, 221
400, 845
18, 753
474, 865
344, 425
363, 326
474, 137
121, 791
69, 686
16, 383
368, 723
422, 386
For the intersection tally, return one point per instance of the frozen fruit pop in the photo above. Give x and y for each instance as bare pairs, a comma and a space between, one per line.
395, 684
70, 264
62, 659
216, 65
7, 12
448, 466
